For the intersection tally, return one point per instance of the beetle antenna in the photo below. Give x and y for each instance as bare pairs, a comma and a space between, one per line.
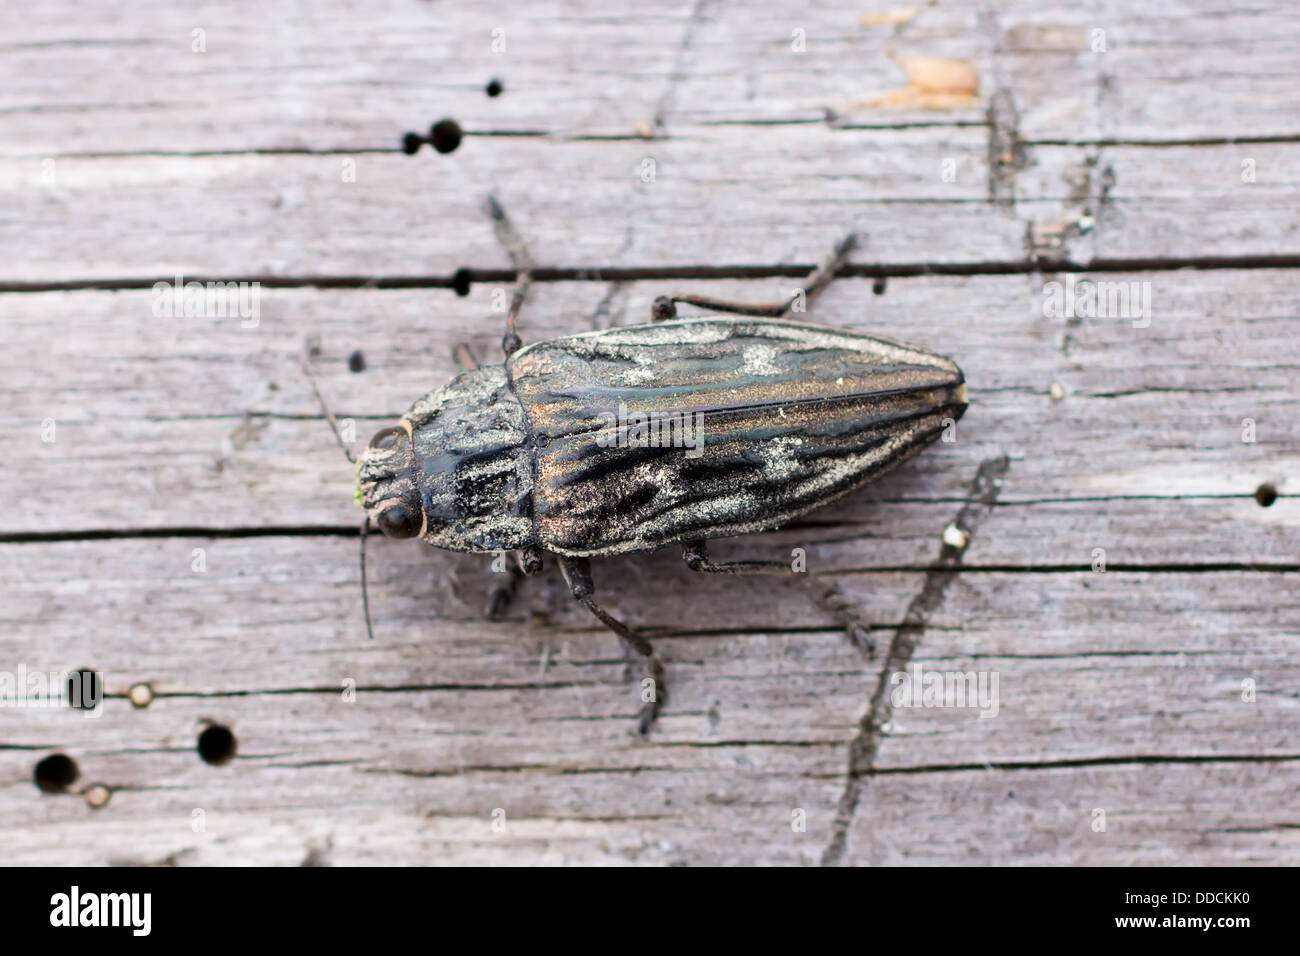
365, 593
365, 523
329, 416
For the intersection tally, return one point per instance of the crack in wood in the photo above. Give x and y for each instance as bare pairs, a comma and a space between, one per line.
1078, 763
1006, 151
900, 270
942, 572
678, 72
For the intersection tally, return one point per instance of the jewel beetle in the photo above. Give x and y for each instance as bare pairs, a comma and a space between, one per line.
672, 432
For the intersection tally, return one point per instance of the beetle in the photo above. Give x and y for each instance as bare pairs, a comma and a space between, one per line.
774, 418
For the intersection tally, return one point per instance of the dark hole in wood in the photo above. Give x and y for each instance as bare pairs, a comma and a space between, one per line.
85, 689
356, 362
445, 135
461, 282
494, 87
1265, 495
56, 773
411, 143
216, 745
878, 287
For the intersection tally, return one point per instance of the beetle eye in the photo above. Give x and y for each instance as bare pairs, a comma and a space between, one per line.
399, 522
386, 438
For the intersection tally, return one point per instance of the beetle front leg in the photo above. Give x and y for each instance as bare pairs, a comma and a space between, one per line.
696, 556
528, 561
523, 263
503, 595
665, 306
577, 574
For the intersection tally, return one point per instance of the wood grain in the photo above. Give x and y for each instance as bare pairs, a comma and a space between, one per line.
1127, 580
297, 219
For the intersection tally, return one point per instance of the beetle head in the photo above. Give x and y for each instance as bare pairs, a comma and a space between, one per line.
455, 470
386, 482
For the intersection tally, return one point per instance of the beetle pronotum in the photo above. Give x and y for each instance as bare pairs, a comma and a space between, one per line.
528, 455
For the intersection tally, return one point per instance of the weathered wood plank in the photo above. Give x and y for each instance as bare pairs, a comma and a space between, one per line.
190, 524
1182, 814
458, 718
1156, 815
352, 76
588, 207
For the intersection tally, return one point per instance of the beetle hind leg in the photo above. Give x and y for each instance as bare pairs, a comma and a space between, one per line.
665, 307
577, 574
826, 593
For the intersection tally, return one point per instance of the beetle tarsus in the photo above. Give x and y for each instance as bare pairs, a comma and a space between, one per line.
664, 307
826, 593
654, 671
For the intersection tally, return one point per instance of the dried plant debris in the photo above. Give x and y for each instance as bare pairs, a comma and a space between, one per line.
933, 83
889, 18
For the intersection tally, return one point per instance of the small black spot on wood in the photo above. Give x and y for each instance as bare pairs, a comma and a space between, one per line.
461, 282
1265, 495
56, 773
445, 135
356, 362
217, 745
411, 143
494, 87
878, 287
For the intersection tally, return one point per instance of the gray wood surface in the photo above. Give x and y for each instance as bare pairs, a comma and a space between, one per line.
1158, 695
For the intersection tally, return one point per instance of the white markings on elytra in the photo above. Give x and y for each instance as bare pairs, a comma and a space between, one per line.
796, 336
761, 359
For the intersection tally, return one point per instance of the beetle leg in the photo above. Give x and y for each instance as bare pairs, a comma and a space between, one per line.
528, 561
465, 357
503, 595
577, 574
696, 556
665, 306
523, 263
